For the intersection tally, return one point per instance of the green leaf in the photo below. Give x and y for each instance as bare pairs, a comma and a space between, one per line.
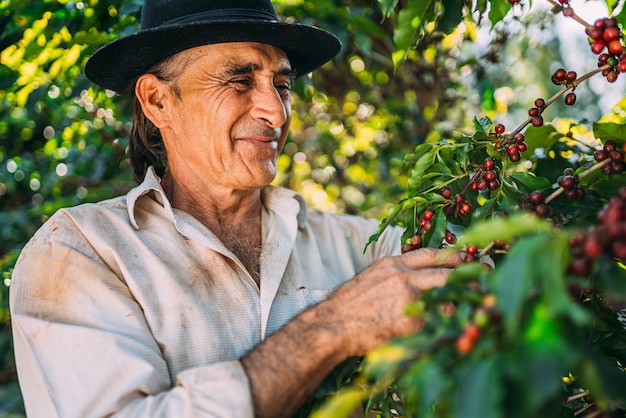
611, 277
8, 77
420, 150
498, 9
610, 132
479, 392
514, 278
501, 228
621, 17
542, 137
482, 124
384, 360
481, 6
530, 181
427, 382
607, 185
387, 6
550, 264
482, 212
391, 215
420, 168
466, 273
92, 38
545, 354
341, 405
434, 236
452, 15
408, 26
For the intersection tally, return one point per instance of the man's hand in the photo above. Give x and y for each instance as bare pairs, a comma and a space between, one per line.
370, 310
360, 315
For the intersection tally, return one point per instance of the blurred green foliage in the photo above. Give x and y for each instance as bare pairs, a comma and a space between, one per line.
63, 140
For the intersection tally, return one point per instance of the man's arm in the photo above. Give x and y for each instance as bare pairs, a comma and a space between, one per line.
364, 313
84, 347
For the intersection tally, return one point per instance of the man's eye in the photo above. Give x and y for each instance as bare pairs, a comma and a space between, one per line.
240, 83
283, 88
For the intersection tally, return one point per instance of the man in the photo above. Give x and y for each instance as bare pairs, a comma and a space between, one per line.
205, 291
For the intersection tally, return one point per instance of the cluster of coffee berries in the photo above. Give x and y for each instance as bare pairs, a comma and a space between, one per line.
535, 202
609, 237
610, 151
458, 206
514, 150
466, 341
486, 178
570, 182
535, 112
424, 224
606, 36
563, 77
411, 244
416, 241
486, 315
513, 146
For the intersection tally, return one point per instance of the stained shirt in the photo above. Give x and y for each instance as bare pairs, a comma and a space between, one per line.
132, 308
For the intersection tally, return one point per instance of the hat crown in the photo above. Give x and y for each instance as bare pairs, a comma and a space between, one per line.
156, 13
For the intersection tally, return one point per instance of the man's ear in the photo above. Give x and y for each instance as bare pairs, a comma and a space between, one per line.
152, 95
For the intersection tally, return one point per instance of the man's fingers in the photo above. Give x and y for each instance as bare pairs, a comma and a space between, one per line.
431, 257
429, 278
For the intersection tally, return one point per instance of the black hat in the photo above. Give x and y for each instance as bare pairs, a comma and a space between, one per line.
171, 26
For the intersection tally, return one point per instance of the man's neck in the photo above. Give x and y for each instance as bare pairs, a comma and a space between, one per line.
234, 217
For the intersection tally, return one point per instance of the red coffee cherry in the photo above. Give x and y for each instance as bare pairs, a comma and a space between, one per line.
536, 197
597, 47
465, 208
489, 164
610, 34
600, 155
611, 77
570, 99
490, 175
599, 24
416, 241
568, 181
559, 74
571, 76
615, 47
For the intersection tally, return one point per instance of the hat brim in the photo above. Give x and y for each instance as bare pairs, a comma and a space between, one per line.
117, 64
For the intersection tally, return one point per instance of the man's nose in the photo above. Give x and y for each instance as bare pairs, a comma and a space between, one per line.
268, 106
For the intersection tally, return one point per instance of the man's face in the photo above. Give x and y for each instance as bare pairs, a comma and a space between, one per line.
233, 115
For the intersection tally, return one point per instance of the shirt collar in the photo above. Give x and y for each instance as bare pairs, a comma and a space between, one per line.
277, 199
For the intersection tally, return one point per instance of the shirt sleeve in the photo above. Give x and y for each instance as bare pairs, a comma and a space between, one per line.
84, 349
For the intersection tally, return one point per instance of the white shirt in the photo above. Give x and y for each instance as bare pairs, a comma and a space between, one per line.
130, 307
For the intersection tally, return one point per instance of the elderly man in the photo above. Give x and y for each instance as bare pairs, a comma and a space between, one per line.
205, 291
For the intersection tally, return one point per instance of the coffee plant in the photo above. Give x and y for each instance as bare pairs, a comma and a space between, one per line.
530, 325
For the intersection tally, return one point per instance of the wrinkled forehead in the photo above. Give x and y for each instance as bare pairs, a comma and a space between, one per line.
233, 57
